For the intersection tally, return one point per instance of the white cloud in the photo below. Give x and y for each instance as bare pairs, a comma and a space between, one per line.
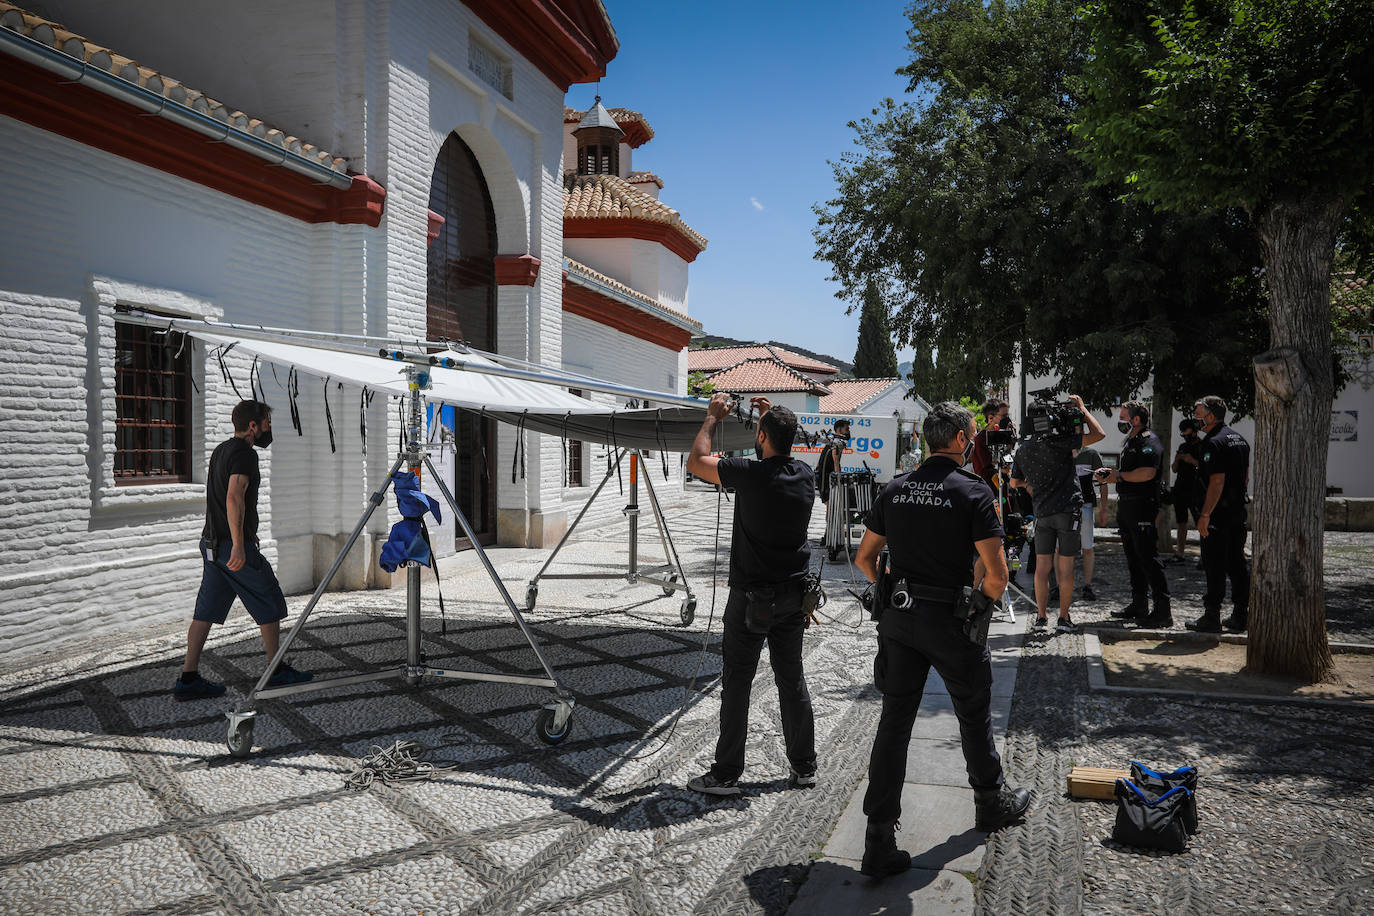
754, 201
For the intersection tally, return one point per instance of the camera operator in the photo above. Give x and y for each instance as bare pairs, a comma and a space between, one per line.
1224, 469
1186, 498
934, 522
832, 457
1137, 504
995, 415
1044, 465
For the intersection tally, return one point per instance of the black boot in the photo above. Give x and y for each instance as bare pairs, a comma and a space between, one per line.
1238, 620
1161, 619
996, 808
1209, 622
1137, 608
882, 858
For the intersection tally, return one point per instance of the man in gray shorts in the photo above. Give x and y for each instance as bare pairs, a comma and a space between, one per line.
1045, 466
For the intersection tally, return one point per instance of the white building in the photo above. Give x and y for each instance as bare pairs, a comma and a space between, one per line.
169, 177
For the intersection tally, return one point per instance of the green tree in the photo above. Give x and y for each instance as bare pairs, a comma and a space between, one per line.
992, 242
1266, 106
875, 356
698, 386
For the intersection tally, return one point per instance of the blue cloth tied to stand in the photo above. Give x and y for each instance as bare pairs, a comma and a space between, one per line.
408, 539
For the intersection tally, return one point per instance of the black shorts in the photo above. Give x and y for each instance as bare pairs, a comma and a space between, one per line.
1184, 508
1059, 533
254, 584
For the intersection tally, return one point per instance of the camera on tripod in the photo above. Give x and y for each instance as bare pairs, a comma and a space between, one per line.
1005, 436
1050, 419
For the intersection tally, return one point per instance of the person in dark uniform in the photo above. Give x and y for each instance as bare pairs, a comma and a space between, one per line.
232, 566
1224, 476
935, 521
1186, 460
832, 457
1137, 504
769, 559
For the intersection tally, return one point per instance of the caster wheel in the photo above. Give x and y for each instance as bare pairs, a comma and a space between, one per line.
689, 611
531, 595
543, 727
668, 590
833, 553
240, 739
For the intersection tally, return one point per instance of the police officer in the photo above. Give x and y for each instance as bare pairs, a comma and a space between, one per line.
1137, 504
934, 521
1224, 477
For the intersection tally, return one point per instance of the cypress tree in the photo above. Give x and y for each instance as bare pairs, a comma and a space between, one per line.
875, 356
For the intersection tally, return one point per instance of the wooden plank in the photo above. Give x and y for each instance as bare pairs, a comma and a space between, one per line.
1095, 782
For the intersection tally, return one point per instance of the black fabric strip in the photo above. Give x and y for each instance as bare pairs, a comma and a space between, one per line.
328, 417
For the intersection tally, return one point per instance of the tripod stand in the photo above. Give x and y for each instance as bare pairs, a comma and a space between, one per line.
676, 576
552, 723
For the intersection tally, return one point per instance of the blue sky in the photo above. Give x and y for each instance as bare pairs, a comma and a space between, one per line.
748, 101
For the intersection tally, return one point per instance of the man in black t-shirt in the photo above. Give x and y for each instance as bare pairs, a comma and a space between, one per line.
934, 522
1224, 472
1186, 461
1138, 490
832, 457
769, 560
231, 565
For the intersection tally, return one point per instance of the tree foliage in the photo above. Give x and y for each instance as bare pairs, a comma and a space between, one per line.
992, 239
875, 356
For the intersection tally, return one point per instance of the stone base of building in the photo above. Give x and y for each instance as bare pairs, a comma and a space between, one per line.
529, 527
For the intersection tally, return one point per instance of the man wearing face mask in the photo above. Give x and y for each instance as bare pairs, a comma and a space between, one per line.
1137, 503
1186, 461
1224, 471
232, 566
769, 559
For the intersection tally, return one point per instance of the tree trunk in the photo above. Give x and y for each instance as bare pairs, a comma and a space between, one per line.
1293, 395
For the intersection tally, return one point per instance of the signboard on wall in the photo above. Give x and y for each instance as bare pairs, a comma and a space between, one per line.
1345, 425
872, 442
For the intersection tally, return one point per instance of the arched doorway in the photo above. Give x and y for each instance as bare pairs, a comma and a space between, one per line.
461, 305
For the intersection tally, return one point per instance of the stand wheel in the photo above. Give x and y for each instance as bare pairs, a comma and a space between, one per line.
689, 610
531, 594
668, 590
543, 727
240, 738
833, 553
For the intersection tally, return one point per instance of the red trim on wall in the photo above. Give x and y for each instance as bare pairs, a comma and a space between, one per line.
635, 133
516, 269
578, 300
601, 227
434, 224
569, 41
35, 96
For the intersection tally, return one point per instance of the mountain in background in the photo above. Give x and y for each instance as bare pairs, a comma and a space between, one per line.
714, 340
904, 370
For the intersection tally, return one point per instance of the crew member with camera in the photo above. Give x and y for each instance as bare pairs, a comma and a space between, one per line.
1137, 504
770, 558
1044, 465
832, 457
1224, 471
998, 433
934, 521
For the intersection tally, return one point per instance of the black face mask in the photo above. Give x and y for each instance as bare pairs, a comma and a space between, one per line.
968, 453
1123, 426
263, 439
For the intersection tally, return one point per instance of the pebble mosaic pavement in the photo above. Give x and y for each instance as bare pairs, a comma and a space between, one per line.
115, 798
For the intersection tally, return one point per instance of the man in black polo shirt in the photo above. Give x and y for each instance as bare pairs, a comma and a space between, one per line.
1224, 473
934, 521
769, 559
1137, 504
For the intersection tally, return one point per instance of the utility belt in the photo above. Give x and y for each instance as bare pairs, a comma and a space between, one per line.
905, 593
968, 605
761, 600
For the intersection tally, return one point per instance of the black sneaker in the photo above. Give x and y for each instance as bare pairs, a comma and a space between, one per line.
800, 780
707, 783
1041, 625
199, 689
1237, 622
996, 808
1161, 619
285, 676
882, 858
1089, 594
1067, 626
1207, 623
1131, 611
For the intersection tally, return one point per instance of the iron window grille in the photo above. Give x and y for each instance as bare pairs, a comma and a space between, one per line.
152, 406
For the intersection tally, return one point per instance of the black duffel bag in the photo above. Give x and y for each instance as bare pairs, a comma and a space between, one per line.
1158, 784
1148, 822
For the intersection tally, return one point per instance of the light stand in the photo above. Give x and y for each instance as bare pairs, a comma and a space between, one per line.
676, 576
553, 721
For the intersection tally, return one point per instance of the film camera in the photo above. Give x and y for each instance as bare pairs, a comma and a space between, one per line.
1050, 419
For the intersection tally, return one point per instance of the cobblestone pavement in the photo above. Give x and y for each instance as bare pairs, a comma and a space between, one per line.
115, 798
1286, 798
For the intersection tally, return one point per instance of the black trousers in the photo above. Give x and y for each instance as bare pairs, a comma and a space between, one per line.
1135, 521
1223, 557
740, 650
910, 643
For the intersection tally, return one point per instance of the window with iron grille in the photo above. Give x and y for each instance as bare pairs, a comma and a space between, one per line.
490, 66
152, 406
574, 455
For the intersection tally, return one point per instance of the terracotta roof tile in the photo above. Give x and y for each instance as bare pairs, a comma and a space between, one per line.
763, 373
849, 394
612, 197
647, 303
644, 178
712, 359
56, 36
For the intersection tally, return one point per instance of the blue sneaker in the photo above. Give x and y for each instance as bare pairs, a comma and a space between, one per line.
199, 689
285, 676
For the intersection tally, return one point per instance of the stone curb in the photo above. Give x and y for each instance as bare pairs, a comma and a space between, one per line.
1097, 675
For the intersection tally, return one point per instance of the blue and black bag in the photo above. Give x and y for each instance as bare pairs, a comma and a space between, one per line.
1158, 784
1151, 822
